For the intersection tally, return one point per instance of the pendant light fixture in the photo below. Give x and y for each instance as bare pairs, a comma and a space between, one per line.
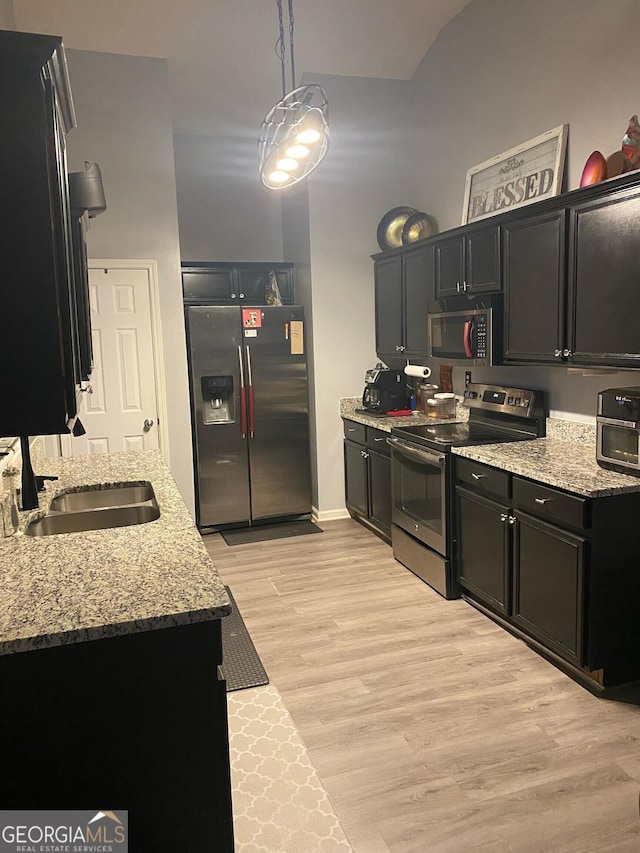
294, 136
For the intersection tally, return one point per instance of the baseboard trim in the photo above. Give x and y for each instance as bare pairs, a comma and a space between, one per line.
328, 515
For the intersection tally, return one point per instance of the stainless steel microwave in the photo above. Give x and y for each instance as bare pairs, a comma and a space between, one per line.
468, 330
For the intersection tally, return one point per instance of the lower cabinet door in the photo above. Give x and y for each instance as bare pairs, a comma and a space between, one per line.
355, 472
549, 586
483, 549
380, 490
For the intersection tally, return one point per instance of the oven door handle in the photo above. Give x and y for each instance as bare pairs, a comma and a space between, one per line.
423, 455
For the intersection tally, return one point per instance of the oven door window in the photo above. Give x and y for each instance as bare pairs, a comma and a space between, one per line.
620, 444
419, 499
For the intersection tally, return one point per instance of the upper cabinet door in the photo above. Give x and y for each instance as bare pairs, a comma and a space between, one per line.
482, 260
419, 290
469, 262
604, 281
449, 258
533, 271
209, 285
388, 297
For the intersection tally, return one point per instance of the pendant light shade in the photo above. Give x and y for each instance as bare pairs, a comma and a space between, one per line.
294, 137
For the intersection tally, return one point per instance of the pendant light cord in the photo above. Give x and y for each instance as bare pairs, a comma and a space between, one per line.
280, 48
293, 64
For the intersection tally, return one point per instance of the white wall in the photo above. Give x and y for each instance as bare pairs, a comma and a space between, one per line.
224, 211
364, 174
124, 124
297, 248
502, 72
7, 18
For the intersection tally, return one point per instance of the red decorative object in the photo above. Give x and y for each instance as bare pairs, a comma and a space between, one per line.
595, 169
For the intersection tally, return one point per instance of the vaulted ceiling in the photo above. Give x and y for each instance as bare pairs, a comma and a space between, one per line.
223, 68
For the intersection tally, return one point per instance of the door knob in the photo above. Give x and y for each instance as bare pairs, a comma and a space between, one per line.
147, 424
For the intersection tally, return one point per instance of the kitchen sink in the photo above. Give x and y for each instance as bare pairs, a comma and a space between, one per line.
98, 509
93, 499
75, 522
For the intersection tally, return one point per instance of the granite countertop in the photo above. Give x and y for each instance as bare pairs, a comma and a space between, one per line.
564, 464
75, 587
348, 406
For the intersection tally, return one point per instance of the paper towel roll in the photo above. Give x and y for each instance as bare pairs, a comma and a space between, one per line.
417, 370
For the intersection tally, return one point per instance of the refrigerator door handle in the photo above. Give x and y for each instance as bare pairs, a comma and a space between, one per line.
252, 413
243, 397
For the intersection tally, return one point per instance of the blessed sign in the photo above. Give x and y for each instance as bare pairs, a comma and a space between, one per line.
530, 172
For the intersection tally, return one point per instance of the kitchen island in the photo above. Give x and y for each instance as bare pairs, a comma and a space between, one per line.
109, 646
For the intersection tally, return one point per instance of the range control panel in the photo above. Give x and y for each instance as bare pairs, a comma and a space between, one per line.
522, 402
481, 336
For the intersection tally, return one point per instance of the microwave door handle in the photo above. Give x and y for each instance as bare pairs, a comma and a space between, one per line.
466, 337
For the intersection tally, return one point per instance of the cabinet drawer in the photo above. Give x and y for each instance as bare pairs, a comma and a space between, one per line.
377, 440
555, 506
483, 478
355, 431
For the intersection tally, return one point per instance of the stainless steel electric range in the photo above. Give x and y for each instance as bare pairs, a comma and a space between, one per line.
422, 532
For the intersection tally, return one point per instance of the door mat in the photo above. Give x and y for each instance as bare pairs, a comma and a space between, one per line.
270, 531
241, 665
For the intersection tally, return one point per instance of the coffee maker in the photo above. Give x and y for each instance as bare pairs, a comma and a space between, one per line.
385, 390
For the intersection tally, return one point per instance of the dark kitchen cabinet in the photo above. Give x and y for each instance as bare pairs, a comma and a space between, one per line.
388, 306
483, 543
404, 286
549, 566
47, 340
468, 262
604, 280
554, 567
217, 283
367, 465
571, 278
533, 274
151, 735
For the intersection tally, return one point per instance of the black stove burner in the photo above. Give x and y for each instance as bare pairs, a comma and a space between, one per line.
460, 434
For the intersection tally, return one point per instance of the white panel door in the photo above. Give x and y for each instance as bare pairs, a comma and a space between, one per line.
122, 411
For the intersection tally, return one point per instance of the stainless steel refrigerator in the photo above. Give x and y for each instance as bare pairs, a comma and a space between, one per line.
250, 414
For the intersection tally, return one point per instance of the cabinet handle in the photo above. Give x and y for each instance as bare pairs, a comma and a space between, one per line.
478, 476
233, 296
379, 439
567, 353
364, 454
557, 353
464, 286
541, 501
457, 287
503, 517
512, 519
352, 429
242, 296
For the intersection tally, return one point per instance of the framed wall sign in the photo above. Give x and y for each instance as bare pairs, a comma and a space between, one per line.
530, 172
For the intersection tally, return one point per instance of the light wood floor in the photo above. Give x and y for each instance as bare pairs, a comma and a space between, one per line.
433, 730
